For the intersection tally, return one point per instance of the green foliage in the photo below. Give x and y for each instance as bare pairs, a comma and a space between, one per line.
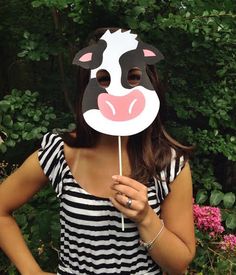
33, 48
213, 195
39, 223
22, 117
226, 202
210, 258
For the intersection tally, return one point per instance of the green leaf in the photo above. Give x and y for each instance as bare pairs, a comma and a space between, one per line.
201, 196
229, 200
44, 224
7, 121
138, 10
36, 118
21, 219
71, 126
4, 106
26, 35
222, 266
28, 93
231, 221
205, 13
10, 143
224, 214
222, 13
216, 197
188, 14
3, 148
36, 4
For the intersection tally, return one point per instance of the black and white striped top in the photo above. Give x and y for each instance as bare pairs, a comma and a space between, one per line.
92, 240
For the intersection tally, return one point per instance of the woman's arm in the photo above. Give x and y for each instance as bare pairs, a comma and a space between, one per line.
174, 249
17, 189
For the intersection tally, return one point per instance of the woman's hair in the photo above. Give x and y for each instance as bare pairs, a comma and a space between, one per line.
149, 151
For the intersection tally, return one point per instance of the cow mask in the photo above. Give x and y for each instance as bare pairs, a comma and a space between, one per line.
119, 99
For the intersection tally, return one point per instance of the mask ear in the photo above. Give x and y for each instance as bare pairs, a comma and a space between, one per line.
91, 56
84, 57
151, 54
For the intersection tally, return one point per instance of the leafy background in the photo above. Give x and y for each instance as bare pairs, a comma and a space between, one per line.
38, 40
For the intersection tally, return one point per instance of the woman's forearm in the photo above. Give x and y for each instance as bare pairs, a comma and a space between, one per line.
168, 251
14, 246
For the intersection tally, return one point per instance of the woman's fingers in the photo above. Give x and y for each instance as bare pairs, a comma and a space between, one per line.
130, 203
131, 197
125, 190
128, 212
127, 202
128, 182
129, 187
135, 210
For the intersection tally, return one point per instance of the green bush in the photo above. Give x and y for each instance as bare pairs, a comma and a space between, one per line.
216, 243
23, 118
39, 223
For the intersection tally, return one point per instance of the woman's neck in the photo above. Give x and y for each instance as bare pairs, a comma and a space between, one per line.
111, 142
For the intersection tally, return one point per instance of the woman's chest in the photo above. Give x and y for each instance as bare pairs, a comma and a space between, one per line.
94, 170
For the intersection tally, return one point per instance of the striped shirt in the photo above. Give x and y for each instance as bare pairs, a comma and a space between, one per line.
92, 240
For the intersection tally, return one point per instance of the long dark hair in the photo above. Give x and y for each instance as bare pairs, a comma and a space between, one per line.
149, 151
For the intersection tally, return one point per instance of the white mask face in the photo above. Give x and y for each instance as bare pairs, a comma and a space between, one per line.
119, 99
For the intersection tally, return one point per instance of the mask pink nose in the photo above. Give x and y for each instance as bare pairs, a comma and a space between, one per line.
121, 108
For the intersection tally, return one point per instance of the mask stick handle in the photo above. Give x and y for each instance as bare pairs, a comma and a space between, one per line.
120, 172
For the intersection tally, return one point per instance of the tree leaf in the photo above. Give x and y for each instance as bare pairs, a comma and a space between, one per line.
4, 106
3, 148
216, 197
201, 196
231, 221
229, 199
7, 121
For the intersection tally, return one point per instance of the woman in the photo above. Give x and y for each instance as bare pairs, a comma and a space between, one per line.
154, 195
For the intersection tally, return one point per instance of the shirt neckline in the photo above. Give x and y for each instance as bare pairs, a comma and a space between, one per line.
75, 182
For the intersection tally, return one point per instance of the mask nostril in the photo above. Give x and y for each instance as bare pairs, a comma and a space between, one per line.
103, 78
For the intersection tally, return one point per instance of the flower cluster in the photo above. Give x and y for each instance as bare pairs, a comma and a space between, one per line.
228, 242
208, 218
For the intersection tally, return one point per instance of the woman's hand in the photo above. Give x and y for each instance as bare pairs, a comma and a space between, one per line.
130, 198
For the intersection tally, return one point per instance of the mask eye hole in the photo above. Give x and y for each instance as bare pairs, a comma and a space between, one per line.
134, 77
103, 78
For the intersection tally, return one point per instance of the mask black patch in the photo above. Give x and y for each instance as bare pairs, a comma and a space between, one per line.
130, 60
91, 93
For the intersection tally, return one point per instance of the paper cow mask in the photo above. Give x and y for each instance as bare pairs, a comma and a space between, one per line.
119, 99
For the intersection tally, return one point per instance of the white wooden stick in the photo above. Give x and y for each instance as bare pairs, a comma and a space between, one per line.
120, 172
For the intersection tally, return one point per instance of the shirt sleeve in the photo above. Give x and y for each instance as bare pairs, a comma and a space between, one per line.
175, 167
50, 156
168, 175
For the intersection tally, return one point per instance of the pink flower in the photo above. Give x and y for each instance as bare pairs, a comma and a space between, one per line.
229, 242
208, 218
